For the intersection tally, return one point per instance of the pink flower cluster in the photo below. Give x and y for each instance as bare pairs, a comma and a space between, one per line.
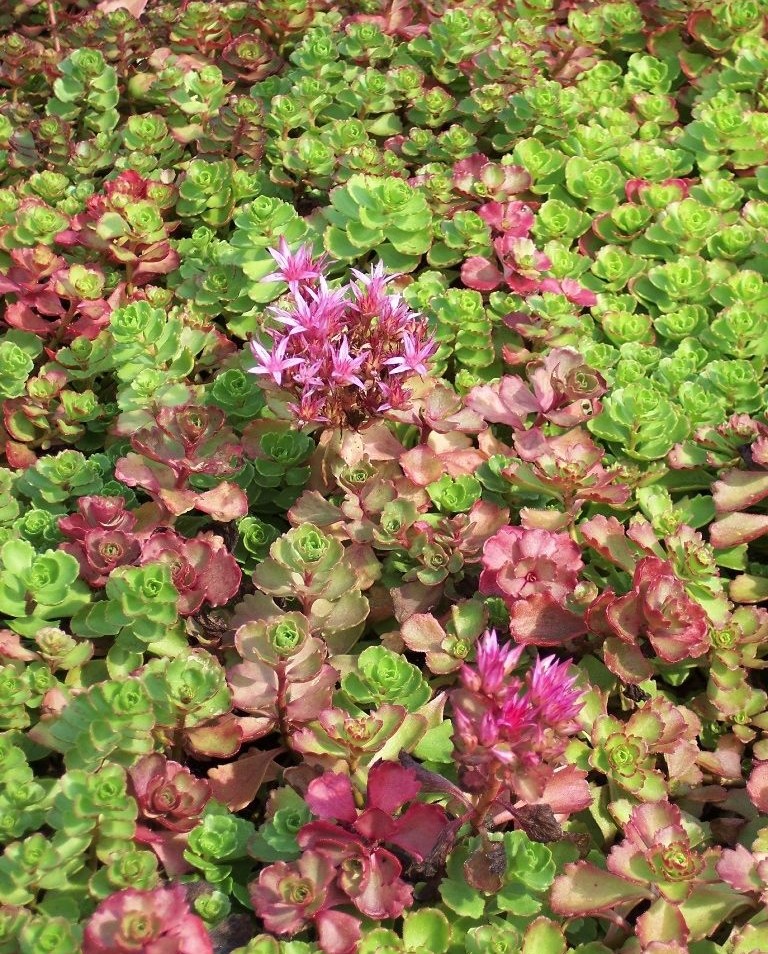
505, 721
343, 354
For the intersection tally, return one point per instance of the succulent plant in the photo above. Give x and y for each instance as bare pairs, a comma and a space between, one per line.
383, 491
132, 917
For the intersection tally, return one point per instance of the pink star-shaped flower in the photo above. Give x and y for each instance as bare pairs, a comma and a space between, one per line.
345, 366
294, 267
273, 363
414, 356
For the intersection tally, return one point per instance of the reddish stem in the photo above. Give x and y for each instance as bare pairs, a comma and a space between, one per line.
54, 25
486, 800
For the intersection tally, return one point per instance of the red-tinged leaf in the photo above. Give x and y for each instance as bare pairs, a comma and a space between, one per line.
466, 171
339, 933
312, 507
478, 273
222, 577
662, 922
390, 786
552, 520
703, 27
422, 633
746, 588
420, 830
224, 503
413, 598
443, 409
137, 471
544, 937
737, 528
422, 465
253, 728
738, 868
168, 846
541, 621
340, 617
641, 532
750, 938
567, 791
54, 702
158, 60
509, 401
757, 786
11, 648
627, 662
725, 762
381, 607
177, 502
19, 456
577, 294
377, 442
135, 7
237, 783
584, 889
330, 797
485, 519
365, 563
739, 489
252, 608
464, 460
157, 259
149, 516
606, 536
218, 738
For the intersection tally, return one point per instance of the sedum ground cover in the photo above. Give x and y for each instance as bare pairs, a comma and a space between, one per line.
385, 463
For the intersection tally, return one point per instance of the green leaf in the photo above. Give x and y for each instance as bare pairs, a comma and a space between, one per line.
436, 744
397, 262
462, 899
379, 941
544, 937
427, 929
17, 556
517, 900
172, 642
405, 738
12, 597
747, 588
338, 244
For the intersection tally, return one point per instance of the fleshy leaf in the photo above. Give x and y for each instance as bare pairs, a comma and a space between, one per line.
237, 783
585, 889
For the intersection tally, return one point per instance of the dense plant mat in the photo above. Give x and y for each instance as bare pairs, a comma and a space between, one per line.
384, 476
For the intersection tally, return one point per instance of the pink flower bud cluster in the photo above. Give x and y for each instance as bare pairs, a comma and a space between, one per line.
343, 354
504, 719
